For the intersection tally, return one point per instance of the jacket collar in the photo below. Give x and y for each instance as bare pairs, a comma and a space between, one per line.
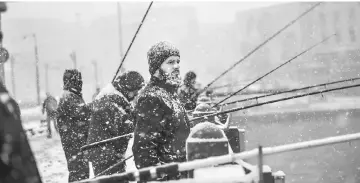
162, 84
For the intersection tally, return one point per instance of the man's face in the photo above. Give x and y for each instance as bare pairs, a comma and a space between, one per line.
193, 81
170, 69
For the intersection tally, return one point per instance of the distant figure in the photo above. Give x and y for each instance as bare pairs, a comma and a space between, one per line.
209, 93
188, 93
96, 93
73, 121
50, 106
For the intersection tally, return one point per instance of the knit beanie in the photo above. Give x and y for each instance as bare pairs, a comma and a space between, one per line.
158, 53
129, 81
72, 80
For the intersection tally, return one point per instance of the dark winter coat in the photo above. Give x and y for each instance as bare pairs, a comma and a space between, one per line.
73, 122
188, 95
21, 166
111, 117
162, 127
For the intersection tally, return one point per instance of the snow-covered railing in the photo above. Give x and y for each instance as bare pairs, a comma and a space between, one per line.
152, 172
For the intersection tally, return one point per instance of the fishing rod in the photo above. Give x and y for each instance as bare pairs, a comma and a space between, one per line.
222, 126
85, 147
259, 46
274, 101
293, 58
259, 104
115, 165
132, 41
145, 174
289, 91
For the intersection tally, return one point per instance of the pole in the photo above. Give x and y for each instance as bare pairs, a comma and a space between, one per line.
12, 65
120, 33
96, 74
2, 70
47, 77
73, 59
37, 70
132, 41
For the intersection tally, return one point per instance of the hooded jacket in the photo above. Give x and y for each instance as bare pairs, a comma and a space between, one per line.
73, 123
111, 117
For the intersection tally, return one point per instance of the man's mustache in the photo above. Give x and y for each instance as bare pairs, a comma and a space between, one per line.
177, 71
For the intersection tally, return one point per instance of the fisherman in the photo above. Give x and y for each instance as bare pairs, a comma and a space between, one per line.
162, 125
17, 161
209, 93
112, 117
73, 122
188, 93
50, 106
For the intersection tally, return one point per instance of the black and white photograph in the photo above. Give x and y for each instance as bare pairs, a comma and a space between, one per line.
179, 91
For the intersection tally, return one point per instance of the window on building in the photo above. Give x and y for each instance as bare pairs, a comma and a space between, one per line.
352, 23
337, 26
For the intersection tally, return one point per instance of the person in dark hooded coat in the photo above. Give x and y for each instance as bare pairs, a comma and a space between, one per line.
73, 122
162, 125
188, 93
17, 161
112, 117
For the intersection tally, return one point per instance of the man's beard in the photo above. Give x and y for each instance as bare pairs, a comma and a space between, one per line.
173, 78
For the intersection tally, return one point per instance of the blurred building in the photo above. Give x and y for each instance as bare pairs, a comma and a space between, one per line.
336, 59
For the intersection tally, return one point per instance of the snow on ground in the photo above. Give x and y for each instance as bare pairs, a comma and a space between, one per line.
49, 156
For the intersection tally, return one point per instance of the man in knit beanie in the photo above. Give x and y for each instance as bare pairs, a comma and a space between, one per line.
112, 117
162, 125
164, 60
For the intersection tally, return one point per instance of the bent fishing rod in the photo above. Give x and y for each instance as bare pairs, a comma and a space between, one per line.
259, 46
132, 41
148, 173
293, 58
242, 100
122, 61
292, 90
113, 166
274, 101
260, 104
85, 147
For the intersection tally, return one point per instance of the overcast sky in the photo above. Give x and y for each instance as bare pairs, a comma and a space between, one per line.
88, 11
57, 35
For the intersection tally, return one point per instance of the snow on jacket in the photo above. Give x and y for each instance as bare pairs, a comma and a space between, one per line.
111, 117
17, 162
73, 122
162, 127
